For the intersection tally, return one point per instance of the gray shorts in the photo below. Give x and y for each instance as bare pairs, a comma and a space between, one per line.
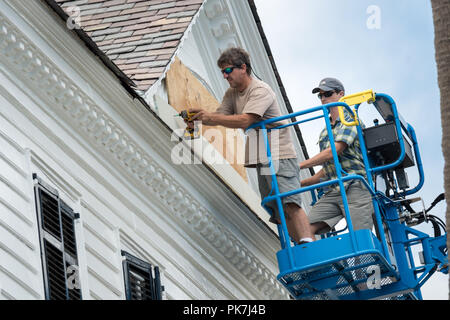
330, 208
288, 178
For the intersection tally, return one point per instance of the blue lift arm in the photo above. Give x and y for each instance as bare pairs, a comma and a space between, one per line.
357, 264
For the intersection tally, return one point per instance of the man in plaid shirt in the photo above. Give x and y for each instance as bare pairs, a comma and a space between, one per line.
327, 212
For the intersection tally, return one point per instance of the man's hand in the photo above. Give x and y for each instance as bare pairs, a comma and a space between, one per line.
323, 156
201, 115
315, 179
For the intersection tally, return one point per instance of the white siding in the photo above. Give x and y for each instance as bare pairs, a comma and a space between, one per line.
20, 263
104, 269
109, 160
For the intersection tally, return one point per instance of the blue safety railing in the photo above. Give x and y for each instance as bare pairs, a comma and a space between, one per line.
277, 196
342, 177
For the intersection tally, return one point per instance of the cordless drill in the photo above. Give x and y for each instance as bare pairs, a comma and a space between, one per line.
189, 133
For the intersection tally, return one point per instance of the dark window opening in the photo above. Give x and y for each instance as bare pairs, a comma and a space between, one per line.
56, 221
142, 281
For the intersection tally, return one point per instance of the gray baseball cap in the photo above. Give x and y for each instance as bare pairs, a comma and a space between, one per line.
329, 84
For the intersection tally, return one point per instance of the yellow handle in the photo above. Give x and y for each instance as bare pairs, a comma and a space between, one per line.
342, 117
352, 99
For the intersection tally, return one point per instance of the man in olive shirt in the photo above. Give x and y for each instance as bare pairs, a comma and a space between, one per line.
247, 101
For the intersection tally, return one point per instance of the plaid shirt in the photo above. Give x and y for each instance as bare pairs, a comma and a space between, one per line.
351, 159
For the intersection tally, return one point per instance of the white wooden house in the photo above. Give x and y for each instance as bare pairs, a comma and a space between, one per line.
92, 205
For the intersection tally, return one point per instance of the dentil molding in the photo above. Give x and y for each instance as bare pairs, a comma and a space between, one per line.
33, 67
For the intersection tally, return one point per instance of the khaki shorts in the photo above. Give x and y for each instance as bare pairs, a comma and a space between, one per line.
330, 208
288, 178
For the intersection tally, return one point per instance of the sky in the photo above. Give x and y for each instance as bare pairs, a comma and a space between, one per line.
384, 45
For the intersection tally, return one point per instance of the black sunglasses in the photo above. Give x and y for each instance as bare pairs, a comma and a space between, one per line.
326, 94
229, 69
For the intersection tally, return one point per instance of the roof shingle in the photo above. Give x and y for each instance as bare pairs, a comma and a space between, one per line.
139, 36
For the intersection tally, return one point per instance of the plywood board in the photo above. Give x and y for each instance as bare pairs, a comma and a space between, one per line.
186, 91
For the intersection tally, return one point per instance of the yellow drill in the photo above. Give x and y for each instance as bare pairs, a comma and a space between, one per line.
189, 133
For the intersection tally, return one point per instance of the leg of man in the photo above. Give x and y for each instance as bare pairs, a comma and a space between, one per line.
326, 213
316, 227
360, 206
297, 222
288, 179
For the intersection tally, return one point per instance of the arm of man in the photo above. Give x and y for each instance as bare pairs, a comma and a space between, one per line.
314, 179
241, 121
323, 156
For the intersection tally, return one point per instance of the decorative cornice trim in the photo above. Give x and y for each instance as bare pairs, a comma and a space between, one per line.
29, 63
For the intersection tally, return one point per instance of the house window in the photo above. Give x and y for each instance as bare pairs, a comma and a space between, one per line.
142, 281
56, 221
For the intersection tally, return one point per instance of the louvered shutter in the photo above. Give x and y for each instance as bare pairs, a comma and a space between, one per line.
58, 244
142, 281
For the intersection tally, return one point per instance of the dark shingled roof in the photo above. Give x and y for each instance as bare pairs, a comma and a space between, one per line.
139, 36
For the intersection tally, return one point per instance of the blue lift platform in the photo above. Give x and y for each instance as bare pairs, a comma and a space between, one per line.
358, 264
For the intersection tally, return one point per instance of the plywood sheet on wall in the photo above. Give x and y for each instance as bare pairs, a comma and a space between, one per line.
186, 91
